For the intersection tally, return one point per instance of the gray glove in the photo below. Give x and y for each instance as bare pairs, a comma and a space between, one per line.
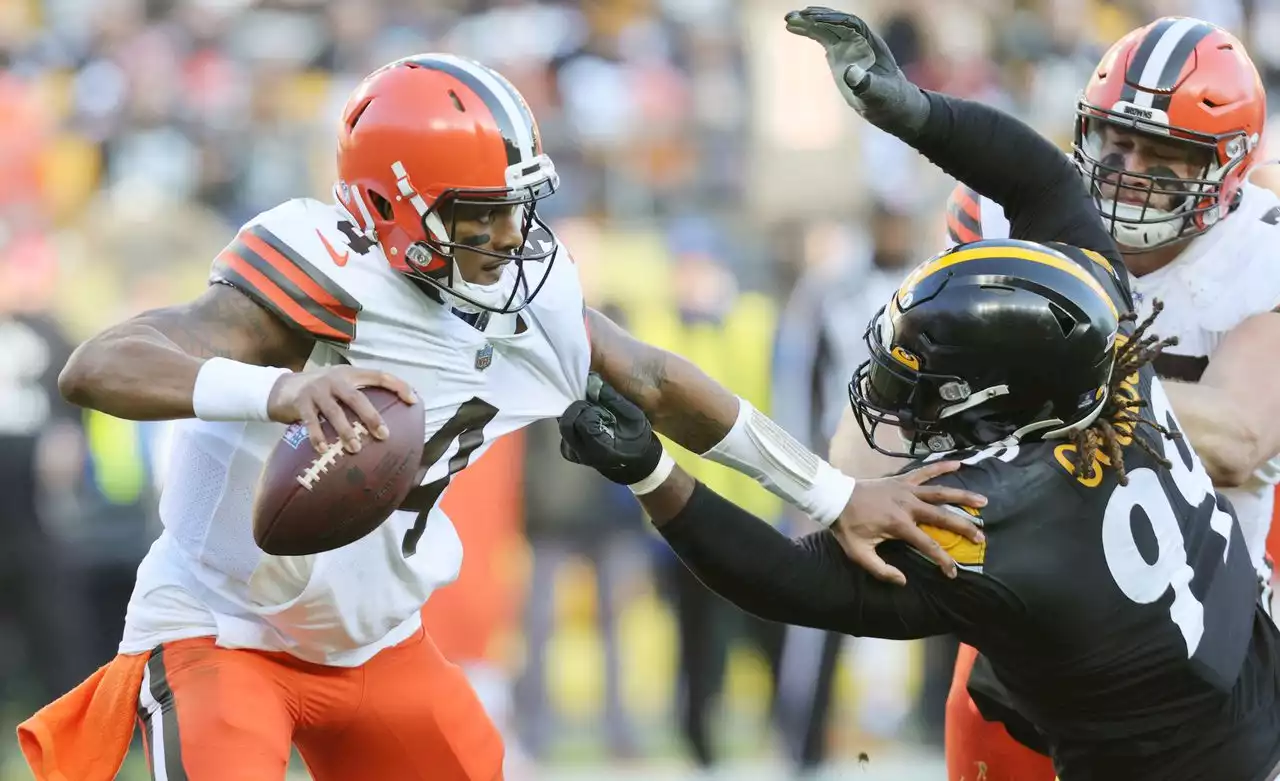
864, 69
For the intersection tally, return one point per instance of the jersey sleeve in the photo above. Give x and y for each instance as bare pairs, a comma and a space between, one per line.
1005, 160
810, 581
1256, 225
259, 263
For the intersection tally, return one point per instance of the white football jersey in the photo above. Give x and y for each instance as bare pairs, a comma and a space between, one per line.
1221, 277
304, 261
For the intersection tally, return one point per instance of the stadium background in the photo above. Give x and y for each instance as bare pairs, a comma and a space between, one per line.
709, 173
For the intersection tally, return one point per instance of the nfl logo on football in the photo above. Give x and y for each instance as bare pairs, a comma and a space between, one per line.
484, 357
295, 435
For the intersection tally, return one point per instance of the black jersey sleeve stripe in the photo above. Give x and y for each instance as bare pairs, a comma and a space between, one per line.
964, 223
322, 287
258, 263
273, 287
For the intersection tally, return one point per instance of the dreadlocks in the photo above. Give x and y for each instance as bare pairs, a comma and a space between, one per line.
1120, 416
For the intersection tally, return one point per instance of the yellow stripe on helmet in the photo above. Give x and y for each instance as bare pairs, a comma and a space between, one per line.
941, 262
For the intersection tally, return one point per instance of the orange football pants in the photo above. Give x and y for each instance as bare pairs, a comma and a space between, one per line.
215, 714
981, 750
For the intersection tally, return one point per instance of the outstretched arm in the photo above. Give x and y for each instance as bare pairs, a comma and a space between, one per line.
810, 581
1005, 160
145, 368
701, 415
611, 433
988, 150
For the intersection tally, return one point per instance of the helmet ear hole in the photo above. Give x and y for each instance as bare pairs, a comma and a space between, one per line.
381, 205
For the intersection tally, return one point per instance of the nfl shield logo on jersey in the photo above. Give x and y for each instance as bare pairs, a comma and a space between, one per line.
484, 357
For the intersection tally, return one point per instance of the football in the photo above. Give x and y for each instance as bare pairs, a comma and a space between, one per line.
308, 502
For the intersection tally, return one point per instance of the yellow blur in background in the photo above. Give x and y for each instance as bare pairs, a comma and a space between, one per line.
710, 176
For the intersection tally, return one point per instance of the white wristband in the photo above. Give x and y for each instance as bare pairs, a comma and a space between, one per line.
231, 390
761, 449
656, 478
829, 495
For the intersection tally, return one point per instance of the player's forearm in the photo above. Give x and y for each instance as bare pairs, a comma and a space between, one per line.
1225, 439
989, 150
680, 400
146, 368
807, 582
744, 559
1007, 161
131, 371
698, 413
690, 408
668, 500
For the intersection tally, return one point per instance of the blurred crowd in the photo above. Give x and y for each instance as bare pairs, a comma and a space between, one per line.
720, 201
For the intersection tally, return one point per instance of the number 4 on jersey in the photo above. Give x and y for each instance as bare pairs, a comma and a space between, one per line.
467, 427
356, 240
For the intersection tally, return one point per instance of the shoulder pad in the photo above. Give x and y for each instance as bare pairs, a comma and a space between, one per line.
1008, 477
1254, 242
274, 260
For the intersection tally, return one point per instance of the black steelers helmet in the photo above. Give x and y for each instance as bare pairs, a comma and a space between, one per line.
998, 340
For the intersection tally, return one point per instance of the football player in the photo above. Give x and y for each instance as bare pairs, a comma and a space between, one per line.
1114, 594
432, 275
1166, 136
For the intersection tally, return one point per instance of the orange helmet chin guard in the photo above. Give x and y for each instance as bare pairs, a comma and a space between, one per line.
1182, 79
432, 131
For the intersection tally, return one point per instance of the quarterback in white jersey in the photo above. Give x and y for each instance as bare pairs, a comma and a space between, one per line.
1167, 132
431, 275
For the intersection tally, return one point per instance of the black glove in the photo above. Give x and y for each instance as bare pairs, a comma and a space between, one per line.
866, 73
609, 434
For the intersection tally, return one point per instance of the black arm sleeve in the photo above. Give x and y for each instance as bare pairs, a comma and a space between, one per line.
810, 582
1039, 187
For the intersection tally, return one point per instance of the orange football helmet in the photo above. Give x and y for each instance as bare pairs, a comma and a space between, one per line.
430, 131
1179, 78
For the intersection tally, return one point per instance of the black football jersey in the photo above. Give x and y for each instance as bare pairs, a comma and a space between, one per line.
1120, 621
1136, 608
1163, 561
